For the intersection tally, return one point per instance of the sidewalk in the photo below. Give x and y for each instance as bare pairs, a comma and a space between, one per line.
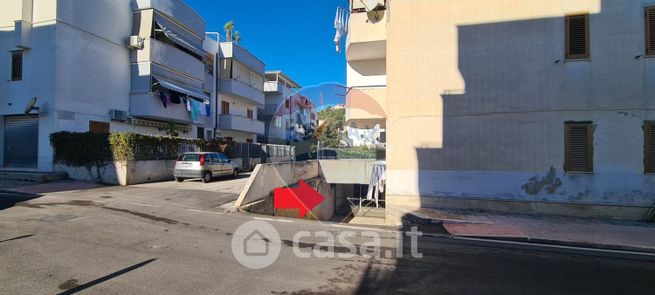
47, 187
569, 231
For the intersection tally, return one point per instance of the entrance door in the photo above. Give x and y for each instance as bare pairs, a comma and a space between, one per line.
21, 141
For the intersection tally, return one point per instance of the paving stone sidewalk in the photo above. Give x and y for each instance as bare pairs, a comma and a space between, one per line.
597, 233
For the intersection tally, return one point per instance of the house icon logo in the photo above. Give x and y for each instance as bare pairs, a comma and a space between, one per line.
256, 244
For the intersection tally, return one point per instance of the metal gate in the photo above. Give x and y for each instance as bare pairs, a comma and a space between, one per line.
21, 141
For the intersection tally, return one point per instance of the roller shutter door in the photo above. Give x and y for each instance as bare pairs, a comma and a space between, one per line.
21, 141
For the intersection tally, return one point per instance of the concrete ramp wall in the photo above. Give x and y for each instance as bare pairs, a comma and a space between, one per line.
267, 177
347, 171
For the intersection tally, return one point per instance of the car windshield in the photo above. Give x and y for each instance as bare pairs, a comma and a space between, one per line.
191, 157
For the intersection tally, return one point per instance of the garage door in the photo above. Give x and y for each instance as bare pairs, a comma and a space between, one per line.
21, 141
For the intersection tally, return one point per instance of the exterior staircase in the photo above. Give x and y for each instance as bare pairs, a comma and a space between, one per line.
32, 176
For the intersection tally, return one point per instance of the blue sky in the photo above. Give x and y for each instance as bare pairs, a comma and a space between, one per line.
294, 36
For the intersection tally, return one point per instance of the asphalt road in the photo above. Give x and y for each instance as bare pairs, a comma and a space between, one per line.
173, 238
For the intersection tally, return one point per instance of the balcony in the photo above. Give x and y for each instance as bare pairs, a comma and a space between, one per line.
366, 40
171, 58
177, 10
273, 87
238, 53
241, 90
149, 106
241, 124
365, 107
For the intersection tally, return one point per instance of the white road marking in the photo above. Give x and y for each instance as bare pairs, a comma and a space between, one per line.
144, 205
362, 228
273, 219
203, 211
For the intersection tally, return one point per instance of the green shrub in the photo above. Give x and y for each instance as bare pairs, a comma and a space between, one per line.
84, 149
137, 147
356, 153
80, 149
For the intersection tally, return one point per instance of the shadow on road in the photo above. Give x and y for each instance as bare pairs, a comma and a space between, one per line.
9, 199
75, 288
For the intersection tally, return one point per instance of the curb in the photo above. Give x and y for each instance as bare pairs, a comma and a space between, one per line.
550, 242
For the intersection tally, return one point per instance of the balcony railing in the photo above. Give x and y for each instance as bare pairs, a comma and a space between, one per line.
241, 124
242, 90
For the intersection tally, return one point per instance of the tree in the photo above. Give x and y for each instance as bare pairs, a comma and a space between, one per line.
237, 37
229, 28
329, 133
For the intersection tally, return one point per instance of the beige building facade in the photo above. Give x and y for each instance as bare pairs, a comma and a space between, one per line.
516, 106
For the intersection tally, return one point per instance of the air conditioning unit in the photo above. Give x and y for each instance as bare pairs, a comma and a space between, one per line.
117, 115
136, 42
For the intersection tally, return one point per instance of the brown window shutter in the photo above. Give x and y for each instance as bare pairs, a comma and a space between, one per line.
577, 36
650, 30
579, 147
649, 147
98, 127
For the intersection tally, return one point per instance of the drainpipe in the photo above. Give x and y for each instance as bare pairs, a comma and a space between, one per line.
215, 82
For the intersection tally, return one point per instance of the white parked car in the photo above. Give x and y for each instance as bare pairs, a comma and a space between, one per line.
205, 166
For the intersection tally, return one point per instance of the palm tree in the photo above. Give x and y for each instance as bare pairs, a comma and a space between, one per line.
237, 37
229, 27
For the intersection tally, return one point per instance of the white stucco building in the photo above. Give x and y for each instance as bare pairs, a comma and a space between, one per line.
105, 65
533, 106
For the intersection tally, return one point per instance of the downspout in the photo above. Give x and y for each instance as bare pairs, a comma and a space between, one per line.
215, 84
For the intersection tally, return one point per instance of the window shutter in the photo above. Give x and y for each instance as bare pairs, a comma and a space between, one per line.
649, 147
579, 147
650, 30
577, 36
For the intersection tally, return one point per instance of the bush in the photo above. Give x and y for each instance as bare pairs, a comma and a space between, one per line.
137, 147
80, 149
356, 153
84, 149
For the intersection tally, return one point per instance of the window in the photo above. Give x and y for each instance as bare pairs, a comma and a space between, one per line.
250, 114
200, 132
225, 108
229, 138
16, 66
650, 30
98, 127
649, 147
249, 140
577, 36
286, 103
579, 147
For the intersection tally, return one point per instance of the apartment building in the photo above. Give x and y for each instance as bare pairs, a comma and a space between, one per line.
517, 106
240, 94
101, 66
289, 116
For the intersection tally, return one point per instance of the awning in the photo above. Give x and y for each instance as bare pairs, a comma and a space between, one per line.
180, 40
197, 93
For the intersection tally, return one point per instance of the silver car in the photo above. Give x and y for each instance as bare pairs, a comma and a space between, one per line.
205, 166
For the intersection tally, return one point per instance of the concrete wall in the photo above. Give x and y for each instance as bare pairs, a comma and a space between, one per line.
266, 177
121, 173
478, 93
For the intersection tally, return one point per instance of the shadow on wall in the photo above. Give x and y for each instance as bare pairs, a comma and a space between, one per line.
503, 136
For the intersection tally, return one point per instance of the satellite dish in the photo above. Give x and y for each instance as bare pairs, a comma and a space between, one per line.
31, 106
374, 9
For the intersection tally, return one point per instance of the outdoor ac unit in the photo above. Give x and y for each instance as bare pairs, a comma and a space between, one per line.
117, 115
136, 42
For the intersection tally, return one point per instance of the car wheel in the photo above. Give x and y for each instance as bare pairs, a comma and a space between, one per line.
235, 173
207, 177
179, 179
